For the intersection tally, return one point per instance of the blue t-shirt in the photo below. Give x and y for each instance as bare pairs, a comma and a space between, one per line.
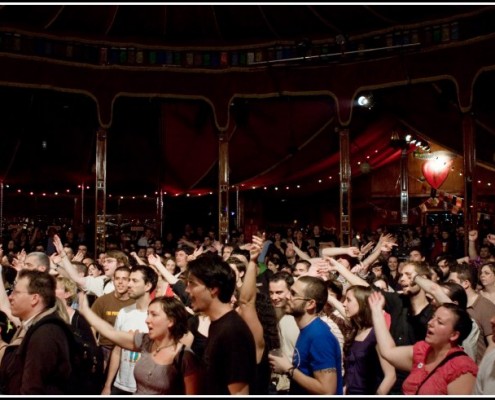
316, 349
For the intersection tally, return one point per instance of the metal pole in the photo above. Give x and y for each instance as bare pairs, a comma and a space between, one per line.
223, 189
404, 188
345, 189
101, 191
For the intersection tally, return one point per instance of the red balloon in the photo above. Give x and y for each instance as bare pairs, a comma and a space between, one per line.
436, 171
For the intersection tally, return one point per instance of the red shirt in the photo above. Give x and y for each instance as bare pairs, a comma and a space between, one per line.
438, 382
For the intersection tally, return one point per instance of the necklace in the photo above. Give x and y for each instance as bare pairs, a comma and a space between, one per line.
158, 349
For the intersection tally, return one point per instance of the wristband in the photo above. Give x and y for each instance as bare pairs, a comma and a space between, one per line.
290, 372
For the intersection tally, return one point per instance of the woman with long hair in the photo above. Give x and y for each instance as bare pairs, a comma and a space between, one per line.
366, 372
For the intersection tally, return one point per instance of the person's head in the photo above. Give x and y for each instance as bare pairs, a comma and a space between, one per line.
114, 259
181, 257
227, 251
464, 275
82, 269
69, 252
158, 245
487, 275
335, 288
446, 263
308, 295
66, 290
210, 279
83, 249
301, 268
37, 260
121, 279
456, 293
95, 269
142, 280
356, 306
34, 291
313, 252
167, 316
408, 271
436, 273
239, 266
278, 287
377, 269
171, 266
273, 264
150, 250
485, 252
416, 254
393, 263
450, 324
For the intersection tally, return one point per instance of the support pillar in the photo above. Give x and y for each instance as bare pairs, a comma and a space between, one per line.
223, 188
101, 191
345, 189
470, 191
159, 211
404, 188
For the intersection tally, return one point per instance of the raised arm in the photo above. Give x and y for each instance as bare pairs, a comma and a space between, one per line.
302, 255
432, 288
473, 237
120, 338
401, 357
155, 260
338, 251
353, 279
70, 270
247, 297
385, 243
137, 258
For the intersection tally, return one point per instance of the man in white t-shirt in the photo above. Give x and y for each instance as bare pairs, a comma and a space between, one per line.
142, 282
97, 285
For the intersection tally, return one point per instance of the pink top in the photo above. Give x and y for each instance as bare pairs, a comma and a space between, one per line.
447, 373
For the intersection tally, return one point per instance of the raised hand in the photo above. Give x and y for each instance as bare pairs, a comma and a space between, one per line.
376, 302
491, 238
255, 247
473, 235
58, 244
353, 252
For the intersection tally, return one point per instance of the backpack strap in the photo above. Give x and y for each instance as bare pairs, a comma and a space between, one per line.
444, 361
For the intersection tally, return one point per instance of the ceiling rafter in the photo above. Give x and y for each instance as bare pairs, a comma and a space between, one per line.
111, 19
270, 26
54, 18
215, 20
324, 20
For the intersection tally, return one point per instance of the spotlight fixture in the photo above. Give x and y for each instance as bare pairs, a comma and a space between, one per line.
366, 101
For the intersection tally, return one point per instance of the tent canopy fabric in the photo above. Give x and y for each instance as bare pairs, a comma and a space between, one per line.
167, 81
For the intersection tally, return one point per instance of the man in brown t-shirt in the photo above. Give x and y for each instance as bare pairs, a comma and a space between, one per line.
108, 306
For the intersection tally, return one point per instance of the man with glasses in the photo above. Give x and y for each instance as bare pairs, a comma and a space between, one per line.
316, 366
40, 364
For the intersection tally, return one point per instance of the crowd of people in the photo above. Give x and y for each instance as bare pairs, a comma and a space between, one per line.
284, 312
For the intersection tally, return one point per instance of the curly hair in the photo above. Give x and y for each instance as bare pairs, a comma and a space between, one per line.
268, 320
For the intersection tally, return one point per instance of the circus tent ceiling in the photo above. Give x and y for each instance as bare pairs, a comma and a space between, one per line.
281, 112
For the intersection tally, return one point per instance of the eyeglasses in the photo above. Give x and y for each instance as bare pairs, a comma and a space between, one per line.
295, 296
15, 292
